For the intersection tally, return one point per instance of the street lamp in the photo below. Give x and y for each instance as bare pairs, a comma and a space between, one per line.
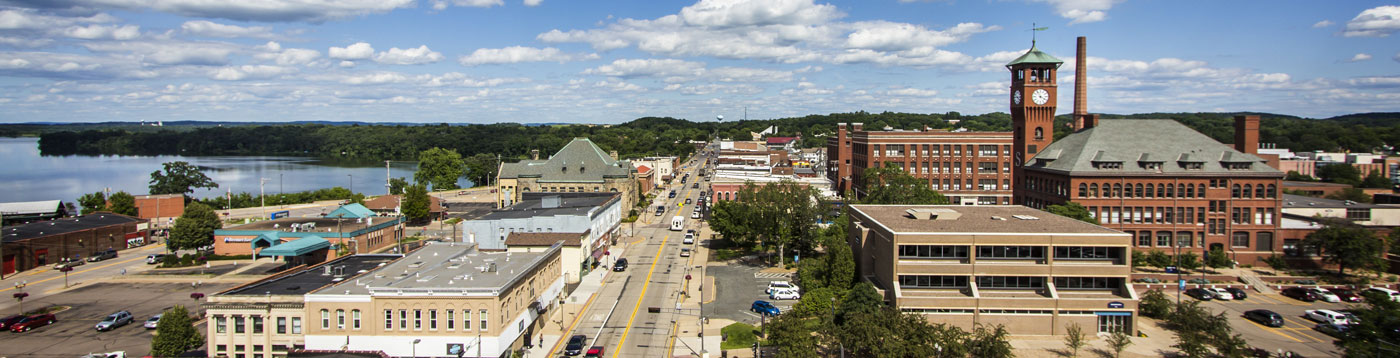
415, 347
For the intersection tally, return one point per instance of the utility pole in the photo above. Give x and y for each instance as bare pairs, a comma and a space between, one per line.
388, 187
2, 247
262, 196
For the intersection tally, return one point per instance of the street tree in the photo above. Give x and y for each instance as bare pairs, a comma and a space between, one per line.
1155, 304
1188, 261
1074, 339
416, 204
481, 168
439, 168
122, 203
779, 216
891, 185
397, 186
175, 333
793, 338
1072, 210
1340, 173
92, 202
1158, 259
990, 342
194, 228
1374, 179
1276, 262
1346, 245
1118, 342
1217, 258
179, 178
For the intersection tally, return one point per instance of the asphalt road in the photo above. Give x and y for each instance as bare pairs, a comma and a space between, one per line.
40, 282
73, 334
737, 286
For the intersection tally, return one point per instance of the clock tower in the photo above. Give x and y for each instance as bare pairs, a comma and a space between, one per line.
1033, 99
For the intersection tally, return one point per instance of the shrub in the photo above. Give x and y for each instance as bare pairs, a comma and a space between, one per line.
738, 336
1155, 304
169, 261
187, 260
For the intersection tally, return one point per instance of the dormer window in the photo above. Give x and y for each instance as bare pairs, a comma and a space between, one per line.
1151, 165
1193, 165
1238, 165
1108, 165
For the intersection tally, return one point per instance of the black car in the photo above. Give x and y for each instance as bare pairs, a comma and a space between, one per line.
1299, 293
620, 265
1237, 293
1265, 317
1200, 294
575, 345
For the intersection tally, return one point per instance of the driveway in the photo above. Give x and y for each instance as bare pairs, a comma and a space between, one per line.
737, 286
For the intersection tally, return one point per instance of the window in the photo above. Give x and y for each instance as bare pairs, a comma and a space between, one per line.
451, 322
1094, 190
924, 281
220, 324
1087, 283
1200, 190
1235, 191
1190, 190
1144, 238
1164, 238
1083, 190
1009, 282
1239, 239
1137, 190
987, 167
932, 252
1010, 252
220, 348
238, 324
467, 320
482, 316
987, 150
1359, 214
432, 319
296, 325
417, 319
281, 325
1039, 133
257, 324
1264, 241
403, 319
355, 319
1087, 253
1183, 239
388, 319
325, 319
1273, 191
340, 319
1117, 190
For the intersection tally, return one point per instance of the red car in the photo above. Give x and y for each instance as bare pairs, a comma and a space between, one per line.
6, 322
1346, 295
32, 322
594, 352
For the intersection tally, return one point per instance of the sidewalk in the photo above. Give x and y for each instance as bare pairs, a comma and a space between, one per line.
566, 315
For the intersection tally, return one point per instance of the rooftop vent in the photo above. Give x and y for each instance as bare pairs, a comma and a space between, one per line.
416, 264
491, 267
933, 214
998, 218
1025, 217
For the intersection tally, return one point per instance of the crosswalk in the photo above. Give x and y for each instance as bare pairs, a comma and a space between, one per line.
771, 275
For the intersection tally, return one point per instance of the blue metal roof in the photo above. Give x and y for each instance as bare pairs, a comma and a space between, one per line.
297, 247
269, 239
351, 211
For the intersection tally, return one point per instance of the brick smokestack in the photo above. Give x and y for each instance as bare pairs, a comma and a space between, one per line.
857, 127
1082, 120
1247, 134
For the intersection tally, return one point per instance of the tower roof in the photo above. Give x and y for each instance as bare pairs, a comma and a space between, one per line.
1035, 56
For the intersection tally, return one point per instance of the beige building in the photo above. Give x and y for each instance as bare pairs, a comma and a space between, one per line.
580, 167
1031, 271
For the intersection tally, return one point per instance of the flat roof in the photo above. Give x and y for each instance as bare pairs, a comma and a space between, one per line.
1294, 183
322, 224
62, 226
569, 204
1304, 202
977, 219
445, 268
309, 279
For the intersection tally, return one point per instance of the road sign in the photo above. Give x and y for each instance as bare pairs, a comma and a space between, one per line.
1181, 284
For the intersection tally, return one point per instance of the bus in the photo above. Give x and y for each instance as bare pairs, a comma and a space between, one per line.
677, 223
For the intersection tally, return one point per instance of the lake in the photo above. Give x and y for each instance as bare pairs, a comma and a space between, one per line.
27, 176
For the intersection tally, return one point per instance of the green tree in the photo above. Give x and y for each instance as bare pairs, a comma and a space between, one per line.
1394, 239
892, 185
175, 333
122, 203
179, 178
439, 168
416, 204
194, 228
1217, 258
1118, 342
1074, 339
862, 299
1276, 262
792, 337
1340, 173
92, 202
1293, 175
1346, 245
1158, 259
1072, 210
397, 186
1188, 261
1352, 194
1376, 332
1155, 304
1374, 179
1139, 258
481, 168
779, 216
990, 343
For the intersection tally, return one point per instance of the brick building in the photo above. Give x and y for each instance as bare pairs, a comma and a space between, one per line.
970, 168
160, 208
46, 242
580, 167
355, 234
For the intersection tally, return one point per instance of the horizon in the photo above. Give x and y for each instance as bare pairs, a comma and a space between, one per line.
535, 61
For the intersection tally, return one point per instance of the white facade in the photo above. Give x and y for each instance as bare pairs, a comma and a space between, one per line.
663, 166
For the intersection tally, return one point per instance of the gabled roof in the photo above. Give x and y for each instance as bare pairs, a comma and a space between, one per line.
351, 211
580, 161
1035, 56
296, 247
1147, 140
31, 207
781, 140
643, 170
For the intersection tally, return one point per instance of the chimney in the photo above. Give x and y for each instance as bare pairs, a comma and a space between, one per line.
1081, 84
534, 154
857, 127
613, 154
1247, 134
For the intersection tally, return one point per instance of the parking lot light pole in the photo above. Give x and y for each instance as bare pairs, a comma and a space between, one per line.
415, 347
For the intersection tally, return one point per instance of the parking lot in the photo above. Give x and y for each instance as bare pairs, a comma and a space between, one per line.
1296, 335
737, 287
73, 334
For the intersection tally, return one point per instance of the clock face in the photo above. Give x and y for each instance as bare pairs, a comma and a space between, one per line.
1040, 96
1016, 97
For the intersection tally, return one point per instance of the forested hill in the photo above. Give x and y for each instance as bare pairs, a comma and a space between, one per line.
640, 137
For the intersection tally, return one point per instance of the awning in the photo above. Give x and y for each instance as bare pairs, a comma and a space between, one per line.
297, 247
1112, 313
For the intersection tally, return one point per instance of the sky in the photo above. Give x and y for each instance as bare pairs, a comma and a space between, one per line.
552, 61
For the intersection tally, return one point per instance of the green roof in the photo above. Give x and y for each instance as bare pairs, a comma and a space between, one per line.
580, 161
1134, 143
297, 247
1035, 56
351, 211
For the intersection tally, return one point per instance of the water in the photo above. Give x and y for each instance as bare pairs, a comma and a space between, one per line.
27, 176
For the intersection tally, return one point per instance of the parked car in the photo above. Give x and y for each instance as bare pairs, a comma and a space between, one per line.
121, 318
1220, 294
153, 259
1200, 294
764, 308
695, 214
660, 210
1239, 294
1324, 295
779, 285
620, 265
785, 295
73, 262
1265, 317
1299, 293
594, 352
672, 194
1335, 330
687, 201
6, 322
696, 185
1346, 295
1326, 316
689, 238
1394, 295
32, 322
103, 255
117, 354
575, 345
685, 252
153, 322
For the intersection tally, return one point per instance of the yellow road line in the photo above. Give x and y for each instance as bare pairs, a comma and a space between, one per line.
563, 336
1305, 328
638, 241
78, 272
621, 343
1276, 331
670, 348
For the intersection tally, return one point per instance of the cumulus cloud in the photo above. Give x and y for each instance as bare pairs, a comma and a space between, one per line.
213, 29
533, 3
410, 56
16, 19
260, 10
1082, 11
726, 13
648, 68
170, 52
239, 73
357, 51
1359, 57
891, 36
1322, 24
103, 32
291, 56
443, 4
912, 92
1374, 22
1397, 57
518, 54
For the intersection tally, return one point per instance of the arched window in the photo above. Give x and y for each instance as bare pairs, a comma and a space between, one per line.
1235, 191
1273, 191
1150, 188
1083, 190
1039, 133
1200, 190
325, 319
1137, 190
1245, 194
1171, 190
1117, 190
1259, 191
1190, 190
340, 319
1094, 190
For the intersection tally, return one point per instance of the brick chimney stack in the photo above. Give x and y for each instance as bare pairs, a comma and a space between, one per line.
857, 127
534, 154
1247, 134
1082, 120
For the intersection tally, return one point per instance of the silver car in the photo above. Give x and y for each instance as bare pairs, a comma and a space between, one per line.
153, 321
121, 318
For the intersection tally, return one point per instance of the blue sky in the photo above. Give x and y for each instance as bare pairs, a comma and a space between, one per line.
485, 61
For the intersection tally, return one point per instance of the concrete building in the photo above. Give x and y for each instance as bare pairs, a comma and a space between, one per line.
160, 209
443, 300
42, 243
267, 318
1028, 270
341, 236
598, 215
970, 168
579, 167
1368, 215
663, 167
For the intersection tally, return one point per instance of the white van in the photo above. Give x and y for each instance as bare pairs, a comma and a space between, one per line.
1327, 316
1394, 296
677, 223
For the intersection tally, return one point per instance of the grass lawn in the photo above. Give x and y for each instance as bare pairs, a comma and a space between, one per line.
740, 336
